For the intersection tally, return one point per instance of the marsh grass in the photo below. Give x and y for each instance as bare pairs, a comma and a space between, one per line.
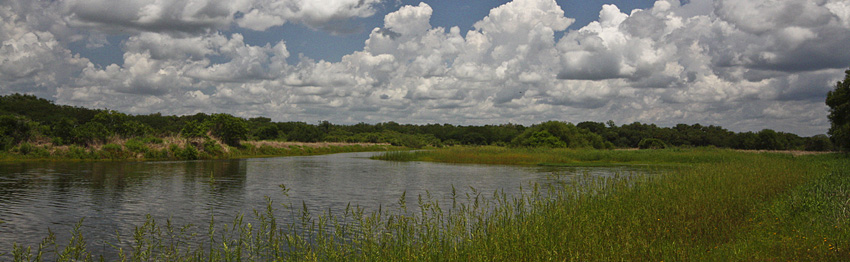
722, 206
568, 157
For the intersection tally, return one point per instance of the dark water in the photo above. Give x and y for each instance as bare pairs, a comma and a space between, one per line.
115, 196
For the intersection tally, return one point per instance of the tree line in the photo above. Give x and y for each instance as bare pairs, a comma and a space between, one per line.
29, 119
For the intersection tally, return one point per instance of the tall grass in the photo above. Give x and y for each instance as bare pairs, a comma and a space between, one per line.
726, 206
566, 156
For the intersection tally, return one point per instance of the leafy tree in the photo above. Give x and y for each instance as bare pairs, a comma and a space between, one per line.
111, 119
652, 143
90, 133
267, 132
818, 143
838, 101
543, 138
568, 134
194, 129
301, 132
14, 130
770, 140
230, 129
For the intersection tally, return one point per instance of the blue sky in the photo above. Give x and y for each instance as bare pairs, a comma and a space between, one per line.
743, 65
322, 45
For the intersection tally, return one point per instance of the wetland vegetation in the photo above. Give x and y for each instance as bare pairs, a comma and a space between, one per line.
719, 205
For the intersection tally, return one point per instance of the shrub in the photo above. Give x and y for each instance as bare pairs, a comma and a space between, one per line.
78, 152
229, 129
136, 145
212, 147
112, 151
188, 152
652, 143
24, 148
194, 129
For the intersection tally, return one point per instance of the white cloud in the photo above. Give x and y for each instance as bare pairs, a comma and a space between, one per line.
263, 14
744, 65
32, 60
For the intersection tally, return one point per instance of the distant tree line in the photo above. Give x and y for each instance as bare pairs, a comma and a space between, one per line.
28, 119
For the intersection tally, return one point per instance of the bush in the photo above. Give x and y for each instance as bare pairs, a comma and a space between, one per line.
194, 129
90, 133
229, 129
188, 152
28, 149
136, 145
112, 151
212, 147
14, 130
652, 143
559, 134
78, 152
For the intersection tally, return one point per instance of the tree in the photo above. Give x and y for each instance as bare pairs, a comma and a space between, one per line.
229, 129
652, 143
194, 129
838, 101
14, 130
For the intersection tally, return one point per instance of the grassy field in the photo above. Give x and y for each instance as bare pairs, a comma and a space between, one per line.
707, 204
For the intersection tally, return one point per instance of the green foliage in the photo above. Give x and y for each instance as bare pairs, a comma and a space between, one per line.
770, 140
543, 138
133, 128
78, 152
212, 147
838, 101
559, 134
188, 152
267, 132
652, 143
90, 133
230, 129
136, 145
112, 151
194, 129
14, 130
63, 130
819, 143
301, 132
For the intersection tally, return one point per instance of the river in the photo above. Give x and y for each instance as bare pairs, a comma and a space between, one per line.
116, 196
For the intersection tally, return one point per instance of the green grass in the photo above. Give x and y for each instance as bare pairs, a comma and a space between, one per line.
714, 205
564, 156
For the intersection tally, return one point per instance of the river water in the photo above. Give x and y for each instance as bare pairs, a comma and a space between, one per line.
116, 196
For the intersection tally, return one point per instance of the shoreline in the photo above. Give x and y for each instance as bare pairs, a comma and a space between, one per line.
171, 149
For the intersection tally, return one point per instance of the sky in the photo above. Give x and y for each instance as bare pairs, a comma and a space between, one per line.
742, 65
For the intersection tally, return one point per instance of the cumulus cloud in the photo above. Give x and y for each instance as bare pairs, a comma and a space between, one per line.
32, 60
744, 65
200, 16
262, 14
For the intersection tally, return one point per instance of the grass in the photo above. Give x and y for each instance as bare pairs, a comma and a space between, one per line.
173, 148
712, 205
564, 156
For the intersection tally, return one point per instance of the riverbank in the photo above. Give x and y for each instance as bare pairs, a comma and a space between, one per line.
574, 157
176, 148
715, 205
